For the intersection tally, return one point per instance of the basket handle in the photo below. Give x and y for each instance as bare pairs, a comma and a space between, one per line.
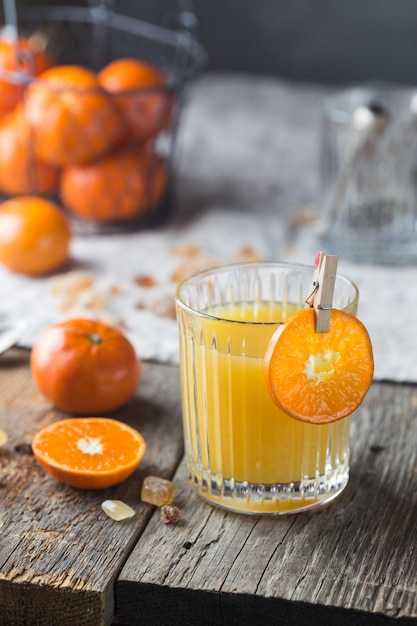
186, 20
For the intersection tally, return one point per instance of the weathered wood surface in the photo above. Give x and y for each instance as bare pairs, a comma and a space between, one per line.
62, 561
354, 562
59, 553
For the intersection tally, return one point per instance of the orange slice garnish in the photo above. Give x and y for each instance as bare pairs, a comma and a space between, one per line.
89, 452
319, 377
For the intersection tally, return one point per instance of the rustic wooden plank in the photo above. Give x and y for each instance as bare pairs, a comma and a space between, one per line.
353, 562
59, 553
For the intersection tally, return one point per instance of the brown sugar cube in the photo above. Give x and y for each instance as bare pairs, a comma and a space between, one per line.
157, 491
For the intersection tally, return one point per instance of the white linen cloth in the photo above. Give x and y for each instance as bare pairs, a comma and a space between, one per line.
246, 177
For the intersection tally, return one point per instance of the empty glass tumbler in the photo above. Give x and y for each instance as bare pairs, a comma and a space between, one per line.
368, 166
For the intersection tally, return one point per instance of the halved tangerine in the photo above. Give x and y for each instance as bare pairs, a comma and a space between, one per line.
319, 377
89, 452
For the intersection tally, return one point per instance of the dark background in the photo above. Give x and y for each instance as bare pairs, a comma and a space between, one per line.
325, 41
328, 41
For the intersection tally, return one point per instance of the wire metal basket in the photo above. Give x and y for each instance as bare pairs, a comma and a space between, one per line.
92, 37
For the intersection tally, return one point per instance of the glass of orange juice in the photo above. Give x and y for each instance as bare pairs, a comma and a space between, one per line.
243, 453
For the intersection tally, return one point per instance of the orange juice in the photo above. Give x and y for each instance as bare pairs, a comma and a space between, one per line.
243, 453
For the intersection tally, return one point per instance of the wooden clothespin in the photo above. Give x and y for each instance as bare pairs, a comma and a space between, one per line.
321, 298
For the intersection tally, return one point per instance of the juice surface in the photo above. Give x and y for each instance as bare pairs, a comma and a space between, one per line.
234, 430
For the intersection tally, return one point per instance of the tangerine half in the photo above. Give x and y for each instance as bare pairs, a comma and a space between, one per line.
319, 377
89, 452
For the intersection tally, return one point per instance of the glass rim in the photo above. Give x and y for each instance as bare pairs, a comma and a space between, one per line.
230, 266
339, 104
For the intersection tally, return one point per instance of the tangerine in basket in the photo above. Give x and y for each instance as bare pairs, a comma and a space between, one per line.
85, 367
140, 92
35, 236
319, 377
20, 171
24, 56
89, 453
121, 186
71, 117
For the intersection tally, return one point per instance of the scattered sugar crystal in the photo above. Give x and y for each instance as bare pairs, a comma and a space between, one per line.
157, 491
164, 307
192, 266
170, 514
187, 249
117, 510
248, 253
144, 280
71, 283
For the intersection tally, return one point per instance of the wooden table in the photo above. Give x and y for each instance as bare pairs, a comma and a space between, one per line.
64, 562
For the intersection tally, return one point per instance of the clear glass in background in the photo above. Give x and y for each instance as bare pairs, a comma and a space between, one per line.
242, 452
368, 176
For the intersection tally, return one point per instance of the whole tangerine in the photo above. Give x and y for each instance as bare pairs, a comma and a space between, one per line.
72, 119
84, 366
121, 186
140, 90
34, 235
20, 171
26, 57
